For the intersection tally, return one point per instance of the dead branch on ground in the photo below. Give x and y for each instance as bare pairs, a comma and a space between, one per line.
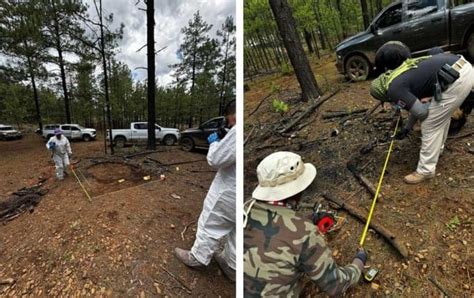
343, 114
186, 228
309, 110
372, 110
260, 103
374, 224
183, 285
364, 181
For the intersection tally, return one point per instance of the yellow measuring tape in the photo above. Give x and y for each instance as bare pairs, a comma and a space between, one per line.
80, 183
379, 186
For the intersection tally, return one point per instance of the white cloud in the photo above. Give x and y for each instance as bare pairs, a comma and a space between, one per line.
170, 17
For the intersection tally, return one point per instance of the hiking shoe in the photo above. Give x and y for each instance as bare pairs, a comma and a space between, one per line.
228, 271
188, 259
415, 178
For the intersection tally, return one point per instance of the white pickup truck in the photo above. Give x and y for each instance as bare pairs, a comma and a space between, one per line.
138, 132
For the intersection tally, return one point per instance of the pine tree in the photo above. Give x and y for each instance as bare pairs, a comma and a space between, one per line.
227, 61
22, 41
63, 35
195, 54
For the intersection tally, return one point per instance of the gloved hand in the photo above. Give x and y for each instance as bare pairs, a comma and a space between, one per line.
402, 133
361, 255
213, 138
52, 145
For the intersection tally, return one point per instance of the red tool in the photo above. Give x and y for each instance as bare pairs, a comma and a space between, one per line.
324, 219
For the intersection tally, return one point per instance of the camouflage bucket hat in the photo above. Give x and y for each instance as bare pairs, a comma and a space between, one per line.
282, 175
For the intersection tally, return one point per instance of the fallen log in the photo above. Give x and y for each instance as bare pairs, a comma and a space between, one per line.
362, 179
374, 224
309, 110
343, 114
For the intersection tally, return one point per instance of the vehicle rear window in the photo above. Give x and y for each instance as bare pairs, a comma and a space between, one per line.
6, 128
66, 127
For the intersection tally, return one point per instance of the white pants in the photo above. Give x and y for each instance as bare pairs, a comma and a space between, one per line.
434, 129
61, 162
216, 221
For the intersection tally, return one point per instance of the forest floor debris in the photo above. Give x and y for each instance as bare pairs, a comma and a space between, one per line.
113, 246
416, 214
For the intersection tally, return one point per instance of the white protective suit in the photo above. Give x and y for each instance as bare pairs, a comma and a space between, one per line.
217, 217
61, 153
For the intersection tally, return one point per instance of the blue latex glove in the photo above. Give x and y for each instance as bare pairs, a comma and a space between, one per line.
213, 138
362, 255
52, 145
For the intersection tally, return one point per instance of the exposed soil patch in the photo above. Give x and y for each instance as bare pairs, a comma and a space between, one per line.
433, 219
118, 244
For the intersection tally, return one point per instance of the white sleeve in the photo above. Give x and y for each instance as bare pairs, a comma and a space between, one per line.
68, 147
222, 153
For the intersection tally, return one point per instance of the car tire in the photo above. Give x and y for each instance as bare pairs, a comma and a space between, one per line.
187, 144
357, 68
120, 141
86, 138
470, 46
169, 140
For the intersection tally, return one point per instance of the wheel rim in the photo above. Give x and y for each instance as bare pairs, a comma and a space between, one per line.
357, 69
120, 142
169, 141
187, 144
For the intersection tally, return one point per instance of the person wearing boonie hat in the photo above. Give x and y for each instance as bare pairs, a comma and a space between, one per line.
281, 245
61, 152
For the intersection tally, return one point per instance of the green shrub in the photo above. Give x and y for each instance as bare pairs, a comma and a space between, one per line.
279, 106
274, 88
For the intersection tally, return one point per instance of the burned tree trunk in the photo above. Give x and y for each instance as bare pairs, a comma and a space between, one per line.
150, 16
287, 28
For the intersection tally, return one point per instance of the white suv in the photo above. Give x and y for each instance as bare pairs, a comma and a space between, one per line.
7, 132
70, 131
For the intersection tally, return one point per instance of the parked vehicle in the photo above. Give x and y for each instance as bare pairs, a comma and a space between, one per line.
71, 131
138, 132
197, 137
48, 130
421, 25
7, 132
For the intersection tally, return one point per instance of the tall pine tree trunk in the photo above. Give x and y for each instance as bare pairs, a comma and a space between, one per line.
150, 17
106, 84
365, 13
35, 95
287, 27
307, 38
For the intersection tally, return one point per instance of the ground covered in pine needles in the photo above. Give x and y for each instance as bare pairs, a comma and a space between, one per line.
120, 243
432, 220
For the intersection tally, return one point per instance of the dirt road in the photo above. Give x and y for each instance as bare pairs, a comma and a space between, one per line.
433, 219
121, 243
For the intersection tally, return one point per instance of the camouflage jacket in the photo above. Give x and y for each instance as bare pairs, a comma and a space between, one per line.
280, 247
